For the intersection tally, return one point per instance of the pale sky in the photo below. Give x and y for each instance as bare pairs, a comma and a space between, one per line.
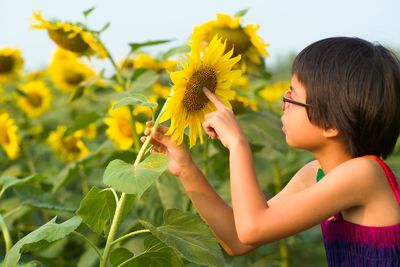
285, 25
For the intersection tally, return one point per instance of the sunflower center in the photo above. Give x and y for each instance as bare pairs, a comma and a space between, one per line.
125, 128
6, 64
73, 78
194, 98
35, 99
235, 38
75, 44
71, 145
4, 138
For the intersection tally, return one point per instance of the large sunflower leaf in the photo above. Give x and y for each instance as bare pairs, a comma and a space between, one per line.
47, 233
136, 46
97, 209
155, 253
82, 121
34, 197
133, 101
264, 128
8, 181
189, 236
145, 80
127, 178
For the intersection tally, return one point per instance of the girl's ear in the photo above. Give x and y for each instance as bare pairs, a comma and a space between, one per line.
329, 133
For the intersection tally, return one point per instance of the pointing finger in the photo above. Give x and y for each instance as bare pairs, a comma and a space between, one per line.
214, 99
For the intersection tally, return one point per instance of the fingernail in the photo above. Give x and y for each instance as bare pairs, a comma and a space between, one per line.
205, 89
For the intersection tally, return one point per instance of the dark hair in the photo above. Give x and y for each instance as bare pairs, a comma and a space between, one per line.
353, 86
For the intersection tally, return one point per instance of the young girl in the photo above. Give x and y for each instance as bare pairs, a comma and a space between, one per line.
344, 107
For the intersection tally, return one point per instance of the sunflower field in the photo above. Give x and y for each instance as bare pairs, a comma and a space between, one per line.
78, 186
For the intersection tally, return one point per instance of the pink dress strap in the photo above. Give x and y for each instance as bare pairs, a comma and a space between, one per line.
390, 176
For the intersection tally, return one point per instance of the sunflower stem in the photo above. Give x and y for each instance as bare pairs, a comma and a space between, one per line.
90, 243
6, 234
134, 132
120, 79
283, 248
121, 203
205, 156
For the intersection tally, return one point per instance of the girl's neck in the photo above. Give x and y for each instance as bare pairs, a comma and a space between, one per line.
331, 157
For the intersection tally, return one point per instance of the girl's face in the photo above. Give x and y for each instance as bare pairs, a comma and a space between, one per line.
299, 131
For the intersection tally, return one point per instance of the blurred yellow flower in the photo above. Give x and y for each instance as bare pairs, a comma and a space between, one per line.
160, 90
119, 128
89, 132
9, 139
72, 37
188, 104
68, 148
67, 70
242, 39
247, 102
274, 92
36, 75
37, 98
11, 63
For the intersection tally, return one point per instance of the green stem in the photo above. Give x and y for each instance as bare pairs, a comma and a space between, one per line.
283, 248
135, 137
31, 164
206, 155
129, 235
90, 243
6, 234
121, 203
120, 79
84, 180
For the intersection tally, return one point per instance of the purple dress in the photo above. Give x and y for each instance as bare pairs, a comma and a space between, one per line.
355, 245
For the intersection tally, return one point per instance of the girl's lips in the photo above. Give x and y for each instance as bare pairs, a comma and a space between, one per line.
283, 129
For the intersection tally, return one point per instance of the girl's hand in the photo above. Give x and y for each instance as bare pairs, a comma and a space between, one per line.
222, 123
179, 157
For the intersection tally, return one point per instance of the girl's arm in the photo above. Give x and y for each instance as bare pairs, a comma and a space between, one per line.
259, 223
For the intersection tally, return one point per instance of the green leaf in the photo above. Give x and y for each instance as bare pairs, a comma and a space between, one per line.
127, 178
105, 27
189, 236
264, 128
47, 233
119, 255
136, 46
34, 197
97, 209
241, 13
77, 93
82, 121
133, 101
88, 11
171, 192
155, 253
145, 80
182, 49
8, 181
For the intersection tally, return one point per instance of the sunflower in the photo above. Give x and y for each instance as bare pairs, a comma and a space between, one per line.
11, 63
68, 148
9, 140
36, 99
242, 39
188, 104
119, 125
70, 36
67, 70
273, 93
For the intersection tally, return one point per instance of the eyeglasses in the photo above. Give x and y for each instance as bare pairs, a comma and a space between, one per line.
287, 100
